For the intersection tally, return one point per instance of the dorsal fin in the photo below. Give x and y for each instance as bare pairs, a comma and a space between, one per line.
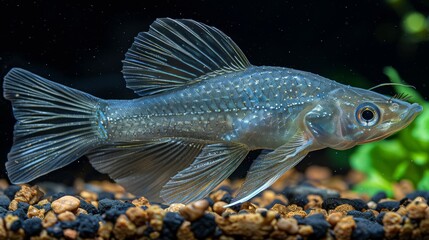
178, 52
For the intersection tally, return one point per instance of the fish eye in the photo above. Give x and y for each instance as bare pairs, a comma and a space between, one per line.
367, 114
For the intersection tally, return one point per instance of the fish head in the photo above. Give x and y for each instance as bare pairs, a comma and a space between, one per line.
349, 116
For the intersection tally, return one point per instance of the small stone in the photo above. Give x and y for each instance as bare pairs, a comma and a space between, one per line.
175, 207
344, 228
32, 226
3, 231
142, 201
289, 225
80, 211
392, 224
417, 208
35, 212
318, 173
66, 203
66, 216
218, 207
123, 228
334, 218
49, 220
305, 230
194, 210
105, 230
88, 196
70, 234
137, 215
185, 232
314, 201
344, 208
30, 195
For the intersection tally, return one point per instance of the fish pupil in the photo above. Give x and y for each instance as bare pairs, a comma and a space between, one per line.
367, 115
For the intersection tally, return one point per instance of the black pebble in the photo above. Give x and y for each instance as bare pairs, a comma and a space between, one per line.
204, 226
210, 201
3, 212
87, 225
69, 225
389, 205
47, 207
11, 191
4, 202
299, 219
171, 224
319, 224
226, 198
366, 229
113, 208
358, 214
236, 207
16, 225
55, 231
20, 213
332, 203
380, 217
24, 206
32, 226
104, 195
91, 209
57, 195
378, 196
419, 193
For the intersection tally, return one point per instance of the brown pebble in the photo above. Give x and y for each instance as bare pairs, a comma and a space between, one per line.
123, 228
137, 215
175, 207
88, 196
30, 195
344, 228
13, 205
218, 207
49, 220
194, 210
185, 232
66, 203
35, 212
70, 234
105, 230
417, 208
80, 211
289, 225
391, 224
314, 201
3, 231
142, 201
334, 218
424, 227
252, 225
344, 208
305, 230
249, 207
217, 195
66, 216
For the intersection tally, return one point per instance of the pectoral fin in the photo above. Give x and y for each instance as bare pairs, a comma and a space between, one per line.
266, 169
215, 163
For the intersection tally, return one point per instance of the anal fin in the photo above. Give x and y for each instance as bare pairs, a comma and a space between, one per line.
214, 164
144, 167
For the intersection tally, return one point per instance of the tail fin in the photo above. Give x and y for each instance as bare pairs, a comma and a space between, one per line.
55, 125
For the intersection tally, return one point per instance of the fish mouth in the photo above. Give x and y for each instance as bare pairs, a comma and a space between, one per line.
414, 110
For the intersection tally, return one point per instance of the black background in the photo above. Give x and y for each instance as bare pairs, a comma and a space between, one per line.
82, 44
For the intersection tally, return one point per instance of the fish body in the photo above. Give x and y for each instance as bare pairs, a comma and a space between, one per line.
203, 107
256, 107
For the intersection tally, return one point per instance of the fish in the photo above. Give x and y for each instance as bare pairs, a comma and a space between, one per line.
202, 107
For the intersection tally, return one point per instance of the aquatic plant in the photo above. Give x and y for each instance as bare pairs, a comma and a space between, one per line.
405, 156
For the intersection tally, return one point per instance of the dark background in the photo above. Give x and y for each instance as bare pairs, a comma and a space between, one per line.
82, 44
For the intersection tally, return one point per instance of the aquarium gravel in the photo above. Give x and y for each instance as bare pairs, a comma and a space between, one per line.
314, 205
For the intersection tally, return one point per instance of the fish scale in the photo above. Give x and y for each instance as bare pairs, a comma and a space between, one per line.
202, 108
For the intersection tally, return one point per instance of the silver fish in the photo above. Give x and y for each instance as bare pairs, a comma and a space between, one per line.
203, 107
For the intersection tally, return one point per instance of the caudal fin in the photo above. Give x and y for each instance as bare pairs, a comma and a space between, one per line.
55, 125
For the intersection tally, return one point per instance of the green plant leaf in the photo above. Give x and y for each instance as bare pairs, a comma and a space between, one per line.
394, 77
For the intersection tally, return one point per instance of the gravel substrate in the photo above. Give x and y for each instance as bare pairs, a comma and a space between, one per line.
311, 206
